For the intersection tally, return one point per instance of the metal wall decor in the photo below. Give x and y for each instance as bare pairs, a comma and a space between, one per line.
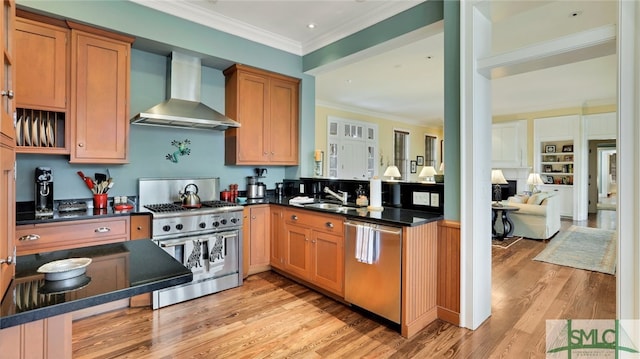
183, 150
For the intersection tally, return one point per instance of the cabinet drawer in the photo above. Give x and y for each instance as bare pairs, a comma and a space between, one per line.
320, 222
45, 237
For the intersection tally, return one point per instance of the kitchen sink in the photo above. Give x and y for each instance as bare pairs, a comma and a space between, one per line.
327, 206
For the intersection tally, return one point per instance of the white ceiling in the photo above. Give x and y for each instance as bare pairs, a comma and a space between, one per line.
403, 79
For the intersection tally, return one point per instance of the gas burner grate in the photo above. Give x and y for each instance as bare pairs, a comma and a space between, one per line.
218, 204
165, 207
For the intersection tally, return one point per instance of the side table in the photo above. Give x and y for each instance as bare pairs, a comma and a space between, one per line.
507, 223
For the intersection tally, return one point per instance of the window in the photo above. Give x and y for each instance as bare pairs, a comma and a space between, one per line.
401, 152
430, 151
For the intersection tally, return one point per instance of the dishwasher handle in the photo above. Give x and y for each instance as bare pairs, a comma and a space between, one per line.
378, 228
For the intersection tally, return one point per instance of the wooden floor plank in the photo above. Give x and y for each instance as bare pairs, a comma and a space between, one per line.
273, 317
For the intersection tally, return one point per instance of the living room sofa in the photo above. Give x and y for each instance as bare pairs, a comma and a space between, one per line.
537, 217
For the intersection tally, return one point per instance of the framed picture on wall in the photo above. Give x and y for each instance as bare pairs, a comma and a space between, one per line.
420, 160
567, 148
414, 167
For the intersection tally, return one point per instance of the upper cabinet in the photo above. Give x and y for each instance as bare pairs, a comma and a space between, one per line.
100, 90
266, 106
42, 55
73, 90
42, 84
509, 144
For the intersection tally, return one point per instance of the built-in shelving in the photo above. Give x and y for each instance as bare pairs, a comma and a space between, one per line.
556, 162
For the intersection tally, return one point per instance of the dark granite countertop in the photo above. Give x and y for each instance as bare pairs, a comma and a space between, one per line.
25, 214
117, 271
390, 215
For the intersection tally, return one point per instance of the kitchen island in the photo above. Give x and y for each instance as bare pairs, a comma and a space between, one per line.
307, 243
35, 315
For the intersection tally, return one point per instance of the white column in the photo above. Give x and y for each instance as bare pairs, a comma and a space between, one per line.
628, 270
475, 166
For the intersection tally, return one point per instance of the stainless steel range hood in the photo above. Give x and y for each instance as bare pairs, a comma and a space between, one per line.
183, 108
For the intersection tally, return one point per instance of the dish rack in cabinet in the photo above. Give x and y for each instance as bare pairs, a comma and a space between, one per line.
40, 131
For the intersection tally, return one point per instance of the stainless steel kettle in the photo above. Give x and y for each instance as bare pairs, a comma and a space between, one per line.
189, 197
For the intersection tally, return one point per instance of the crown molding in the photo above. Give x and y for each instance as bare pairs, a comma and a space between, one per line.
363, 21
434, 123
200, 15
196, 13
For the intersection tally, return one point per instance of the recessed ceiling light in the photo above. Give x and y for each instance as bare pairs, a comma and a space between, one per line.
311, 25
575, 13
349, 81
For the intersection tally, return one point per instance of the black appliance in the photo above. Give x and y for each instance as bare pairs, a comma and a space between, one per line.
43, 192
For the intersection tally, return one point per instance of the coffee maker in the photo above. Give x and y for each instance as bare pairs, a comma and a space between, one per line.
255, 189
43, 192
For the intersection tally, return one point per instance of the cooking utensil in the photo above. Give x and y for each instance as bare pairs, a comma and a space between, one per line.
189, 197
109, 185
88, 181
100, 177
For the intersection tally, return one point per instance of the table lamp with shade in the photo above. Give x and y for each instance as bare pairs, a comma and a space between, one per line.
392, 172
533, 181
497, 178
428, 173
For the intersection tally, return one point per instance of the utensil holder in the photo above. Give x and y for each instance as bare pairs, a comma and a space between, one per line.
100, 200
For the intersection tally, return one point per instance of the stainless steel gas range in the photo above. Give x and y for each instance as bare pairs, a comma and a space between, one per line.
205, 237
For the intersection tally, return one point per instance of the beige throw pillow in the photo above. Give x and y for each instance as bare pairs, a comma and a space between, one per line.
539, 197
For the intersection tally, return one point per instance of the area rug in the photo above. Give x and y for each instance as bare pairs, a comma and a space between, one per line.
587, 248
506, 243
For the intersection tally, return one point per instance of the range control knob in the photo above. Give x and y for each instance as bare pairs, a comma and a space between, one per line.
179, 226
202, 225
224, 221
166, 228
234, 220
216, 224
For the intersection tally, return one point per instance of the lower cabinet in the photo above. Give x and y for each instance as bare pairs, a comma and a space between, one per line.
46, 237
277, 237
256, 239
140, 229
313, 248
41, 339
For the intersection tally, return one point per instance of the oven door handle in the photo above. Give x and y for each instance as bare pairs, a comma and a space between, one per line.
173, 243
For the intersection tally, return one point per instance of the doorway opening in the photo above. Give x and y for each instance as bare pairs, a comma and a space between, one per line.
603, 189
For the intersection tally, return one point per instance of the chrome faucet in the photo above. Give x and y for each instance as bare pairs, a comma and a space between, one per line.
342, 196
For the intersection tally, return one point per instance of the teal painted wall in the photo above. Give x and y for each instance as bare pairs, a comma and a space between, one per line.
452, 110
149, 145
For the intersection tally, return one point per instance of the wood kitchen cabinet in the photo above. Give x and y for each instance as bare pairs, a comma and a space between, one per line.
42, 84
42, 58
100, 89
46, 237
256, 241
140, 228
44, 338
266, 106
7, 148
277, 237
314, 248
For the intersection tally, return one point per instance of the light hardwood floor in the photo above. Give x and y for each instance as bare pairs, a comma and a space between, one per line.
271, 316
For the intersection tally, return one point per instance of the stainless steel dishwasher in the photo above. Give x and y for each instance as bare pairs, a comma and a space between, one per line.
374, 286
